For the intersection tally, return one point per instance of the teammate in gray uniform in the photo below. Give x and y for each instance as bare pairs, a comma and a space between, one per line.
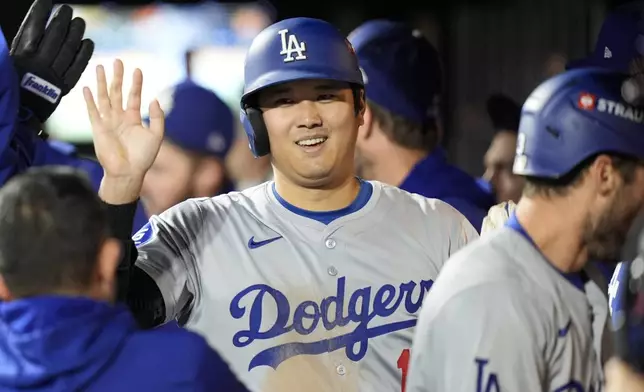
522, 309
310, 282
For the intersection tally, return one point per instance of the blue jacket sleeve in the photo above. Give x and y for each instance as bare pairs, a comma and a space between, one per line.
11, 159
60, 153
215, 375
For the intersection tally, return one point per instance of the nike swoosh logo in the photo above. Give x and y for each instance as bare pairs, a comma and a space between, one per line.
252, 244
564, 331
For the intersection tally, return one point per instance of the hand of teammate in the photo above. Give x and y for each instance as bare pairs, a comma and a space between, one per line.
621, 378
124, 146
497, 216
49, 58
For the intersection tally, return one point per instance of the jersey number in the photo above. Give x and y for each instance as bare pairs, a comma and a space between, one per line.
403, 365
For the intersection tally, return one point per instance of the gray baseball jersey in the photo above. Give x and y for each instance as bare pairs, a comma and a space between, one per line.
501, 318
294, 304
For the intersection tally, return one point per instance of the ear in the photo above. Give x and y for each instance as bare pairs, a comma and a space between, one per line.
105, 274
5, 294
359, 103
363, 104
605, 176
366, 125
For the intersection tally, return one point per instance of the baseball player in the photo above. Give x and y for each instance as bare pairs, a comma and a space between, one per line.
308, 282
522, 309
399, 143
618, 48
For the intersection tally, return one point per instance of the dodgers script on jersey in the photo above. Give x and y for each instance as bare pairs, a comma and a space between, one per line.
294, 304
501, 318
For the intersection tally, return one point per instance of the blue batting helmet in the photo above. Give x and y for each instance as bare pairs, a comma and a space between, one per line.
401, 68
575, 115
290, 50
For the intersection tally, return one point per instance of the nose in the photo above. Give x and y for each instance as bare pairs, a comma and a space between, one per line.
309, 115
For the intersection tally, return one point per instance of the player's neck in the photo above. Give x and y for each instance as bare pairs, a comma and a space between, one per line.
558, 239
395, 164
317, 199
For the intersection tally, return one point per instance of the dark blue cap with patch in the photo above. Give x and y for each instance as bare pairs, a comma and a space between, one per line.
620, 40
401, 69
197, 120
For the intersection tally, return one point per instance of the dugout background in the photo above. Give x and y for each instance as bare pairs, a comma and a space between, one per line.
504, 46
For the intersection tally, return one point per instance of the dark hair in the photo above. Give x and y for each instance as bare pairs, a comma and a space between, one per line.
504, 113
625, 165
404, 132
52, 225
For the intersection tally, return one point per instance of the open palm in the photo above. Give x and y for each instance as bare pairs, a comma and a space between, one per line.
124, 146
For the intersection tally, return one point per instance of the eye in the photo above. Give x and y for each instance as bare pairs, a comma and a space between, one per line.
326, 97
283, 101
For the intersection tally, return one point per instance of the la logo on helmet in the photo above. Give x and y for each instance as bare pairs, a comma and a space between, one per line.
290, 46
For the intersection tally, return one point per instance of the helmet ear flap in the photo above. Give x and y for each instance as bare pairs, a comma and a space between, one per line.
255, 128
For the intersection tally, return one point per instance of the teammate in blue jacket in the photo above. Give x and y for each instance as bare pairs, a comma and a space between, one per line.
59, 330
40, 68
399, 143
11, 158
49, 64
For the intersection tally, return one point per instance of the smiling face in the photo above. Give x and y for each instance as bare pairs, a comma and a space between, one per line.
312, 127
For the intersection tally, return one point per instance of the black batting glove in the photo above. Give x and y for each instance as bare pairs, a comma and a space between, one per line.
49, 58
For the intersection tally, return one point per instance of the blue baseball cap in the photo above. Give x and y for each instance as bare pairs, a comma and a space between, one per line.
401, 68
197, 120
620, 40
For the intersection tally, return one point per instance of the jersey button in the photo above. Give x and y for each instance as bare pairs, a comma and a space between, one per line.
330, 243
332, 271
341, 370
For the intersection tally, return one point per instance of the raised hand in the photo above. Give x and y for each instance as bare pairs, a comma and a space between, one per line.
124, 146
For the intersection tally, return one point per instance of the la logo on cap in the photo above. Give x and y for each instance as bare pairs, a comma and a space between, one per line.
290, 46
